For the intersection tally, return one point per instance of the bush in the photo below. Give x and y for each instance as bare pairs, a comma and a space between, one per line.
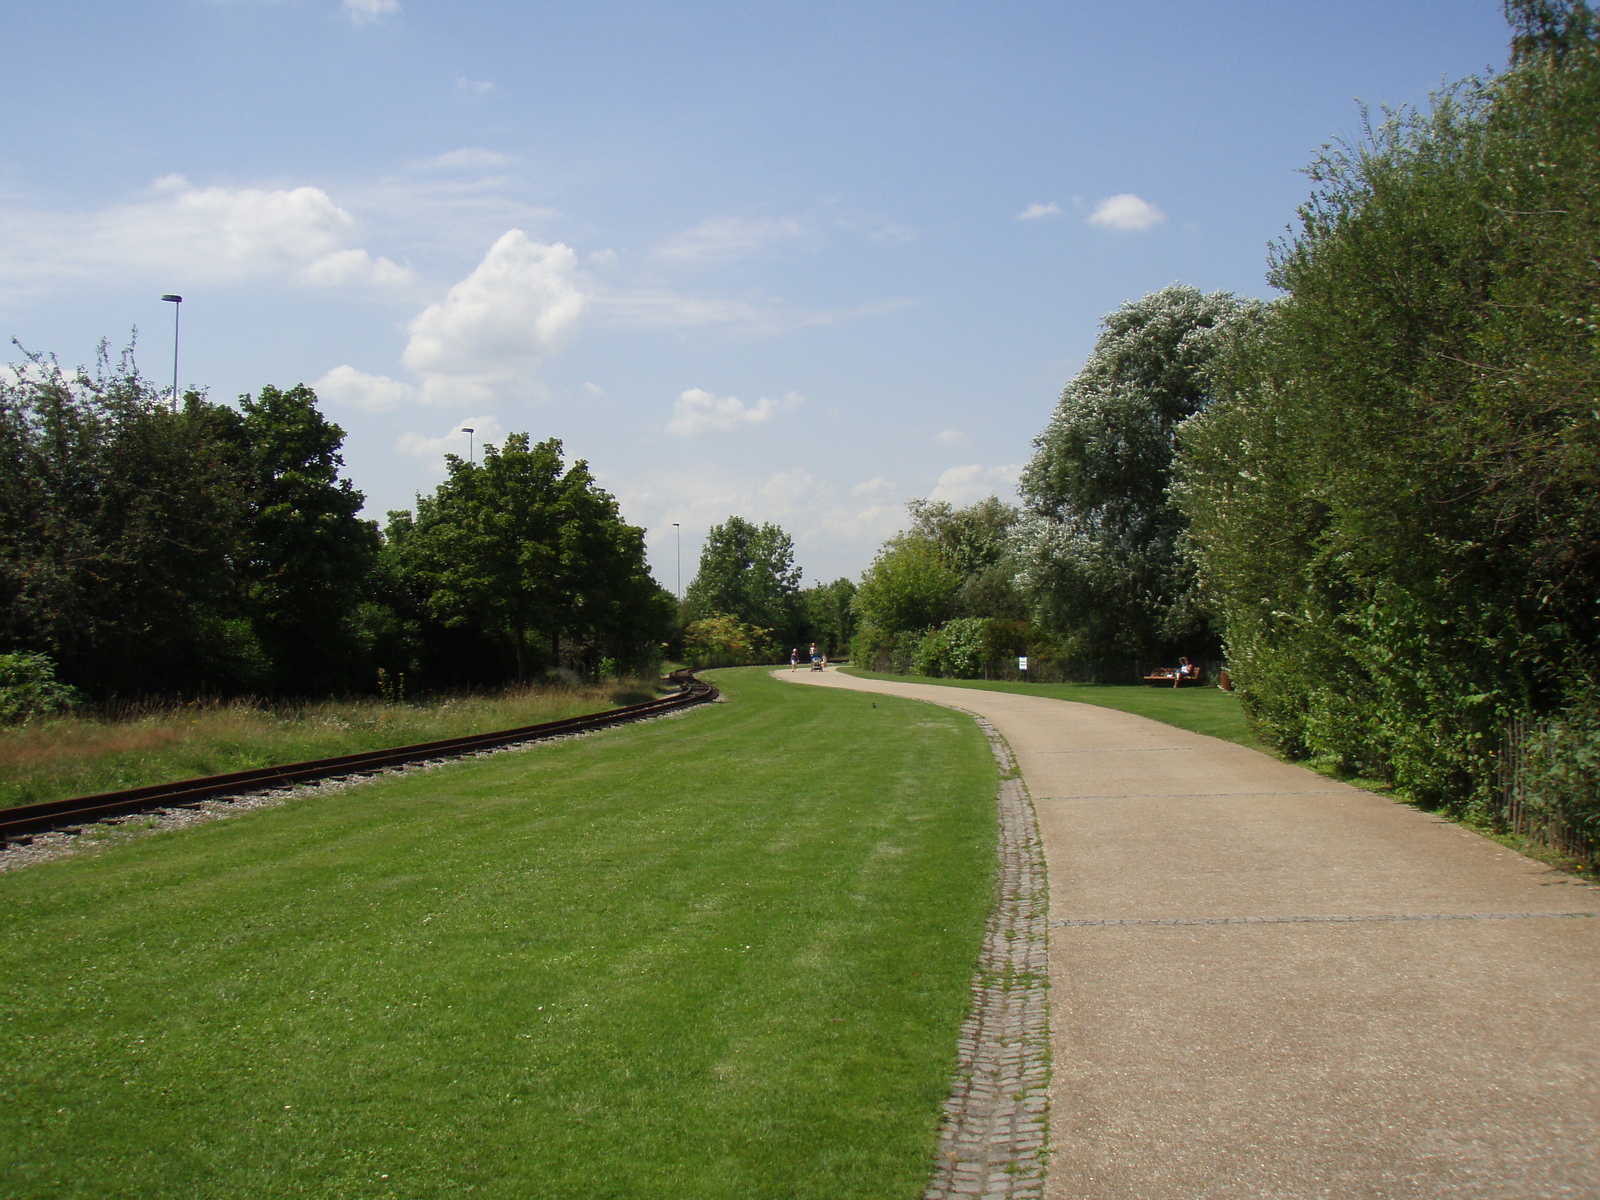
1558, 782
722, 640
28, 688
1392, 502
875, 649
963, 648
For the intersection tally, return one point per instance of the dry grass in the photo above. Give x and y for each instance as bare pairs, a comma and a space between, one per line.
83, 755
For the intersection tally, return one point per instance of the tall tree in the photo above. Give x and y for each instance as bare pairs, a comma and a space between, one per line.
119, 531
1395, 506
976, 543
830, 617
532, 552
307, 554
1099, 550
909, 587
746, 571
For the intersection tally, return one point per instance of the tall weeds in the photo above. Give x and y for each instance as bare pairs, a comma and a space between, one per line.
135, 744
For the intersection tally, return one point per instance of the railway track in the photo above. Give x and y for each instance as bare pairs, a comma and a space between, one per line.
21, 823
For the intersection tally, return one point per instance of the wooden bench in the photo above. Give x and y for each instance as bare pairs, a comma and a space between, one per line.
1169, 677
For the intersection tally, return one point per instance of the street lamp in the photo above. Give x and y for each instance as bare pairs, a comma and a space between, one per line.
679, 528
469, 431
177, 303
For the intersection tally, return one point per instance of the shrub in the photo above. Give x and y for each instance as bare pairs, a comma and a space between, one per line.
962, 648
722, 640
879, 650
1558, 781
28, 688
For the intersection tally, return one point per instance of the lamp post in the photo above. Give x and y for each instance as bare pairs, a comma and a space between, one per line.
469, 431
177, 304
679, 528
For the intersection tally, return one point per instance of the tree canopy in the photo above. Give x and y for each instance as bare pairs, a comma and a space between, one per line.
219, 549
1396, 505
533, 553
1099, 549
746, 571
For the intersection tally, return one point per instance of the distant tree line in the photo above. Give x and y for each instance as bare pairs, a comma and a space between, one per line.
746, 605
147, 551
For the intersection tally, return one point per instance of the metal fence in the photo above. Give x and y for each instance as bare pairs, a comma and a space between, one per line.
1125, 672
1548, 790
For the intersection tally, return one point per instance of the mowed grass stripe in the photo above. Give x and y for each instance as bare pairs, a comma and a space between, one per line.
725, 955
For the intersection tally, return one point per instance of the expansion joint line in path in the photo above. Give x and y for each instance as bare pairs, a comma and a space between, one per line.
1358, 918
992, 1142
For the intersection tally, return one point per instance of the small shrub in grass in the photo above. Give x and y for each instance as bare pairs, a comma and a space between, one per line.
28, 688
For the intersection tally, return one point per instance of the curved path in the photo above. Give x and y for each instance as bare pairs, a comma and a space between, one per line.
1265, 983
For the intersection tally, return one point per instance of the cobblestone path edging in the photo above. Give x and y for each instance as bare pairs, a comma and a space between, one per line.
992, 1144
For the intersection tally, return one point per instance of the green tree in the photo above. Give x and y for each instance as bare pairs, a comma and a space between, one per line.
722, 640
830, 618
1394, 507
1099, 551
746, 571
533, 553
307, 554
976, 542
119, 530
909, 586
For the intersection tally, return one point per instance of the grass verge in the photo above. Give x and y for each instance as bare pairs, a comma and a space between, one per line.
723, 956
82, 756
1204, 710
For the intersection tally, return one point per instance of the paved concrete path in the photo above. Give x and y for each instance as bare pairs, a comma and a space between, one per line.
1268, 984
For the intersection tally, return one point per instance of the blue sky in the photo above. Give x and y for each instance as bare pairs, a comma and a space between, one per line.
796, 262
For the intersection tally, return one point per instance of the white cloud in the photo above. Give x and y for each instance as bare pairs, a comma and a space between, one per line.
357, 267
521, 303
593, 390
374, 393
365, 12
660, 308
1034, 211
473, 87
191, 235
953, 437
470, 158
726, 238
458, 441
963, 485
698, 411
1127, 213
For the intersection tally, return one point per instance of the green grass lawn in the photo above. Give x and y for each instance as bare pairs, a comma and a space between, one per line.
84, 755
719, 956
1206, 710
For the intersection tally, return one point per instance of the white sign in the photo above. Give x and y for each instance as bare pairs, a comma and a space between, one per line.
1022, 662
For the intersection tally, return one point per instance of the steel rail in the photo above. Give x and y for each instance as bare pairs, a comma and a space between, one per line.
73, 814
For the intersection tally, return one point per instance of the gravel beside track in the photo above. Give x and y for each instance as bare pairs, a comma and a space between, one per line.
99, 835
